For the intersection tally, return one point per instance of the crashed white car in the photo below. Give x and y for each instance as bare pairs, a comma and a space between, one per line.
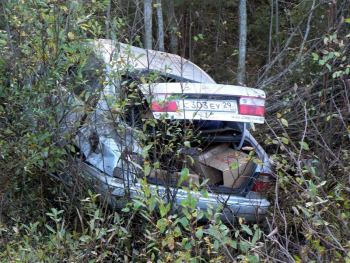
221, 114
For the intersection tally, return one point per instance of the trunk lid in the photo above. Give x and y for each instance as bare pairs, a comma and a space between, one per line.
205, 101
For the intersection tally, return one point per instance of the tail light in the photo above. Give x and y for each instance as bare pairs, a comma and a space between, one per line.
252, 106
166, 106
262, 183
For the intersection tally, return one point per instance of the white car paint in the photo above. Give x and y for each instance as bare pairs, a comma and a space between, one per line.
101, 165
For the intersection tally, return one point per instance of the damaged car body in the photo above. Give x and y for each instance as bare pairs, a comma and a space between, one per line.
234, 167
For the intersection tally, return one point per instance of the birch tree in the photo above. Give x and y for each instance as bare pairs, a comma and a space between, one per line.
242, 41
148, 23
160, 23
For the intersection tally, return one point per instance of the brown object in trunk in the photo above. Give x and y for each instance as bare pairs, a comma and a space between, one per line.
168, 177
213, 175
235, 166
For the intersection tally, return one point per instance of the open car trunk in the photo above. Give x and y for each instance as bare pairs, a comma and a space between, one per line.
225, 157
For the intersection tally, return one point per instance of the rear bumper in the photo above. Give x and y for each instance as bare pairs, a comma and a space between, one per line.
252, 209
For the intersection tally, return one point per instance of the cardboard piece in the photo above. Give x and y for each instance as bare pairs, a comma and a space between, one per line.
213, 175
221, 165
236, 166
165, 176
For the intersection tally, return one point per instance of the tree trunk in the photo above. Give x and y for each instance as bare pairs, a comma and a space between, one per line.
148, 23
108, 20
173, 27
160, 40
277, 29
270, 32
242, 41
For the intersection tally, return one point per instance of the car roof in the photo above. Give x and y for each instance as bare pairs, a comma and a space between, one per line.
179, 68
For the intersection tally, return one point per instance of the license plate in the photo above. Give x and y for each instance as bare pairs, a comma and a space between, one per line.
209, 105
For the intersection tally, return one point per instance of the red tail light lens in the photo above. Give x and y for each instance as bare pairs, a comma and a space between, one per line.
252, 106
262, 183
167, 106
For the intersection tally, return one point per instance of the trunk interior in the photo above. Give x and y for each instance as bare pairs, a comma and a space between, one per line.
218, 156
